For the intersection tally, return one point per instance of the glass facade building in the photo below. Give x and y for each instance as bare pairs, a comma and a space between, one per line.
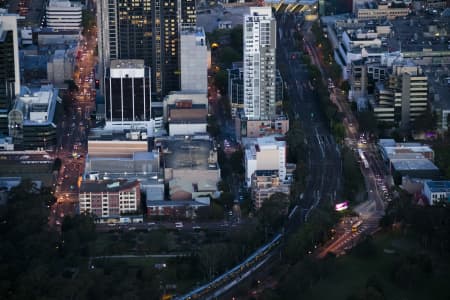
9, 67
148, 30
127, 91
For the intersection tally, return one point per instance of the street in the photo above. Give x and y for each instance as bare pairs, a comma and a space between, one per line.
323, 157
73, 130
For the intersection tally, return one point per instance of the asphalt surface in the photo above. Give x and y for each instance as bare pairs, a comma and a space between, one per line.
324, 164
323, 157
72, 135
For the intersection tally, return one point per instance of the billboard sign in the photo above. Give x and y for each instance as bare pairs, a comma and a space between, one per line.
341, 206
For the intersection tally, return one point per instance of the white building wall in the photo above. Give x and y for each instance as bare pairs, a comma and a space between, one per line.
64, 15
282, 161
259, 63
250, 167
194, 60
186, 129
271, 156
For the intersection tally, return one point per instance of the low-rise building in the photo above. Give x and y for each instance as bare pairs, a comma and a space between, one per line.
187, 119
176, 209
183, 100
108, 198
34, 165
60, 67
124, 155
412, 160
403, 97
6, 144
390, 149
437, 191
259, 128
264, 184
190, 165
64, 15
50, 36
371, 10
32, 120
265, 153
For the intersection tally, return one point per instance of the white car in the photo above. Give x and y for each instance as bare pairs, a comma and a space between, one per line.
178, 225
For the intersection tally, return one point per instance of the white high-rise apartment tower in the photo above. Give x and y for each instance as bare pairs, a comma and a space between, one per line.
259, 64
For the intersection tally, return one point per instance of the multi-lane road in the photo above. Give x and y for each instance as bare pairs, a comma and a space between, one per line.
324, 164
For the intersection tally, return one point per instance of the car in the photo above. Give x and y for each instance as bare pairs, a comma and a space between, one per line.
196, 227
178, 225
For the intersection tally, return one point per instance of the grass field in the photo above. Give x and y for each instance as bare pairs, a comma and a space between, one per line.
352, 272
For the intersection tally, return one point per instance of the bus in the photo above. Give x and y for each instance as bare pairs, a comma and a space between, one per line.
356, 225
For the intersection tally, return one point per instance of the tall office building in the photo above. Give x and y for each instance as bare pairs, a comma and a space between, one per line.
9, 66
259, 64
127, 94
148, 30
193, 60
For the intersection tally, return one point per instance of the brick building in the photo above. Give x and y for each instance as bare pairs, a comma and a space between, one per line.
108, 198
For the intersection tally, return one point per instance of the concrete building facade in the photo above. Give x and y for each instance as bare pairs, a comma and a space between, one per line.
32, 119
259, 64
378, 10
404, 97
267, 153
108, 198
60, 67
190, 165
437, 191
194, 60
265, 184
64, 15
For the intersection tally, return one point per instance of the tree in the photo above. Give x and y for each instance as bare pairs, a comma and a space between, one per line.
71, 85
57, 164
236, 38
367, 122
226, 199
228, 55
272, 212
338, 131
213, 127
221, 80
236, 162
353, 179
345, 86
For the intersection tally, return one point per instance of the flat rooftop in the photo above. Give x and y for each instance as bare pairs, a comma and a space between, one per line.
127, 64
100, 134
187, 153
414, 165
427, 34
438, 186
106, 186
439, 86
